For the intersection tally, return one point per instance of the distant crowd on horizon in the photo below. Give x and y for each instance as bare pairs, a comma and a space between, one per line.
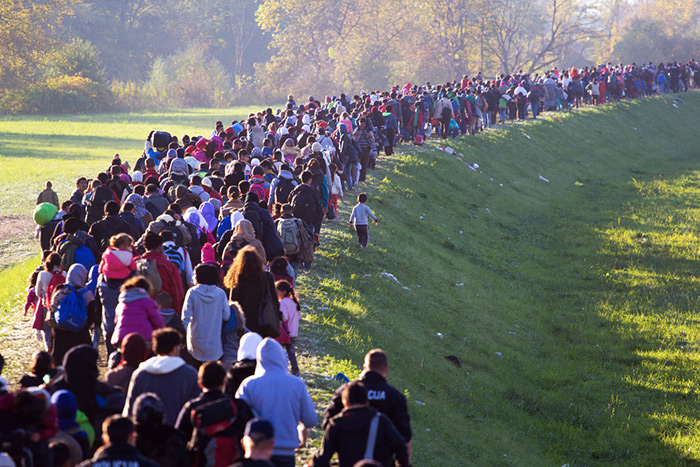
183, 266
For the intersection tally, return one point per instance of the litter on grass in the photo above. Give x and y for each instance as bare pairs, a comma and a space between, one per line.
542, 178
499, 354
439, 335
460, 284
390, 276
421, 403
406, 288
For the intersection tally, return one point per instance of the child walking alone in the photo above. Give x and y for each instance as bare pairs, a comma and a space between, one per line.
359, 216
291, 314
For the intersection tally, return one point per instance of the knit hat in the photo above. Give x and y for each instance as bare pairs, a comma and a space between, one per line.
208, 255
316, 147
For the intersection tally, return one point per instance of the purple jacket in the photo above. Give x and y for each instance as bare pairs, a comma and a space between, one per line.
136, 312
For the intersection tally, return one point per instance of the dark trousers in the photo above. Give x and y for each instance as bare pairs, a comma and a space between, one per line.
362, 235
364, 162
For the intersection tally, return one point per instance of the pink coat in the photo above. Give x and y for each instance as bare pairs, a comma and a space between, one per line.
136, 312
117, 264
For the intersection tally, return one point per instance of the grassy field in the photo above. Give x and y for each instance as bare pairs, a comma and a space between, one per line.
562, 276
62, 147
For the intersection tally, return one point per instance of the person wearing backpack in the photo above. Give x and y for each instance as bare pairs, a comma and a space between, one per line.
443, 112
110, 225
360, 432
47, 280
262, 220
213, 422
295, 235
282, 186
73, 310
243, 235
95, 201
306, 200
168, 273
76, 246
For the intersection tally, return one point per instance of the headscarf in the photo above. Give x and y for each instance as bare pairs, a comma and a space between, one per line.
248, 346
139, 204
194, 217
206, 209
67, 408
77, 277
137, 177
245, 230
133, 350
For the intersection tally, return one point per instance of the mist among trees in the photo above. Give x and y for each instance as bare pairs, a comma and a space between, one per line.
91, 55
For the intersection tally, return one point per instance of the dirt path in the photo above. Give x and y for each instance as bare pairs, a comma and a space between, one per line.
17, 241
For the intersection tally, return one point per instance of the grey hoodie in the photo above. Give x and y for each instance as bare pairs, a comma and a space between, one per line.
206, 308
170, 378
277, 396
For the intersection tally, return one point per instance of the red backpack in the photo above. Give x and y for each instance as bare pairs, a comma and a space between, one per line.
218, 429
57, 279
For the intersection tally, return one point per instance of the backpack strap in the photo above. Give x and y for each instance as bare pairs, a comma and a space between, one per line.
372, 438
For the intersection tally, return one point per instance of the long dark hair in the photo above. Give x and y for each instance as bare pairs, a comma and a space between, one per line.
286, 288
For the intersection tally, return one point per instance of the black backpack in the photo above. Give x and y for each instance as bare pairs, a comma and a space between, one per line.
282, 190
96, 204
305, 206
251, 214
178, 238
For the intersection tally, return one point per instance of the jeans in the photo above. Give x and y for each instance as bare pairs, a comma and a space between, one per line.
503, 111
487, 119
535, 109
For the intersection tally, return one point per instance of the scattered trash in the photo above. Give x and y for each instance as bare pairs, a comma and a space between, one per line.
368, 275
420, 217
439, 335
427, 429
526, 135
492, 179
544, 179
559, 120
511, 332
390, 276
420, 403
475, 165
460, 284
454, 360
577, 183
679, 101
501, 184
499, 354
341, 377
324, 308
460, 232
406, 288
676, 106
488, 210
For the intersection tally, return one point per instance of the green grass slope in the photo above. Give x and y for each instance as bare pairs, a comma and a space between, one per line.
571, 303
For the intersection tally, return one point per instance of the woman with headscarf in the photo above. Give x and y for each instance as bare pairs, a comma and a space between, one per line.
194, 217
249, 284
208, 212
133, 352
140, 205
245, 366
243, 235
97, 400
63, 340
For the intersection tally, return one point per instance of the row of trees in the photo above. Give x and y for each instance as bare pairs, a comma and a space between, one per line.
72, 55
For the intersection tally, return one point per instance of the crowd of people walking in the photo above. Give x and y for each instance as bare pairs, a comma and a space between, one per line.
182, 267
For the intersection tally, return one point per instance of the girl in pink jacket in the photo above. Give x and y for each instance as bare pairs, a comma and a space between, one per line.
136, 311
118, 260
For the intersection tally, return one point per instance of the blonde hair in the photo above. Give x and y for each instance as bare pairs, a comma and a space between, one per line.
122, 240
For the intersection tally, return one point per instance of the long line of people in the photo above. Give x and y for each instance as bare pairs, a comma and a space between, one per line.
184, 267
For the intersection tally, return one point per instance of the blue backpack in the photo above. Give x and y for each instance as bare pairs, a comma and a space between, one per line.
83, 255
71, 314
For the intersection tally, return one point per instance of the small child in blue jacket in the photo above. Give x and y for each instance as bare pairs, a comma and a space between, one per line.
359, 216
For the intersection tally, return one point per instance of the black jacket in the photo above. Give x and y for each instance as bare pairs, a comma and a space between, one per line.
383, 397
119, 455
306, 203
347, 434
103, 230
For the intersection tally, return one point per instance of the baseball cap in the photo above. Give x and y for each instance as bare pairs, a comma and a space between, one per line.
259, 430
